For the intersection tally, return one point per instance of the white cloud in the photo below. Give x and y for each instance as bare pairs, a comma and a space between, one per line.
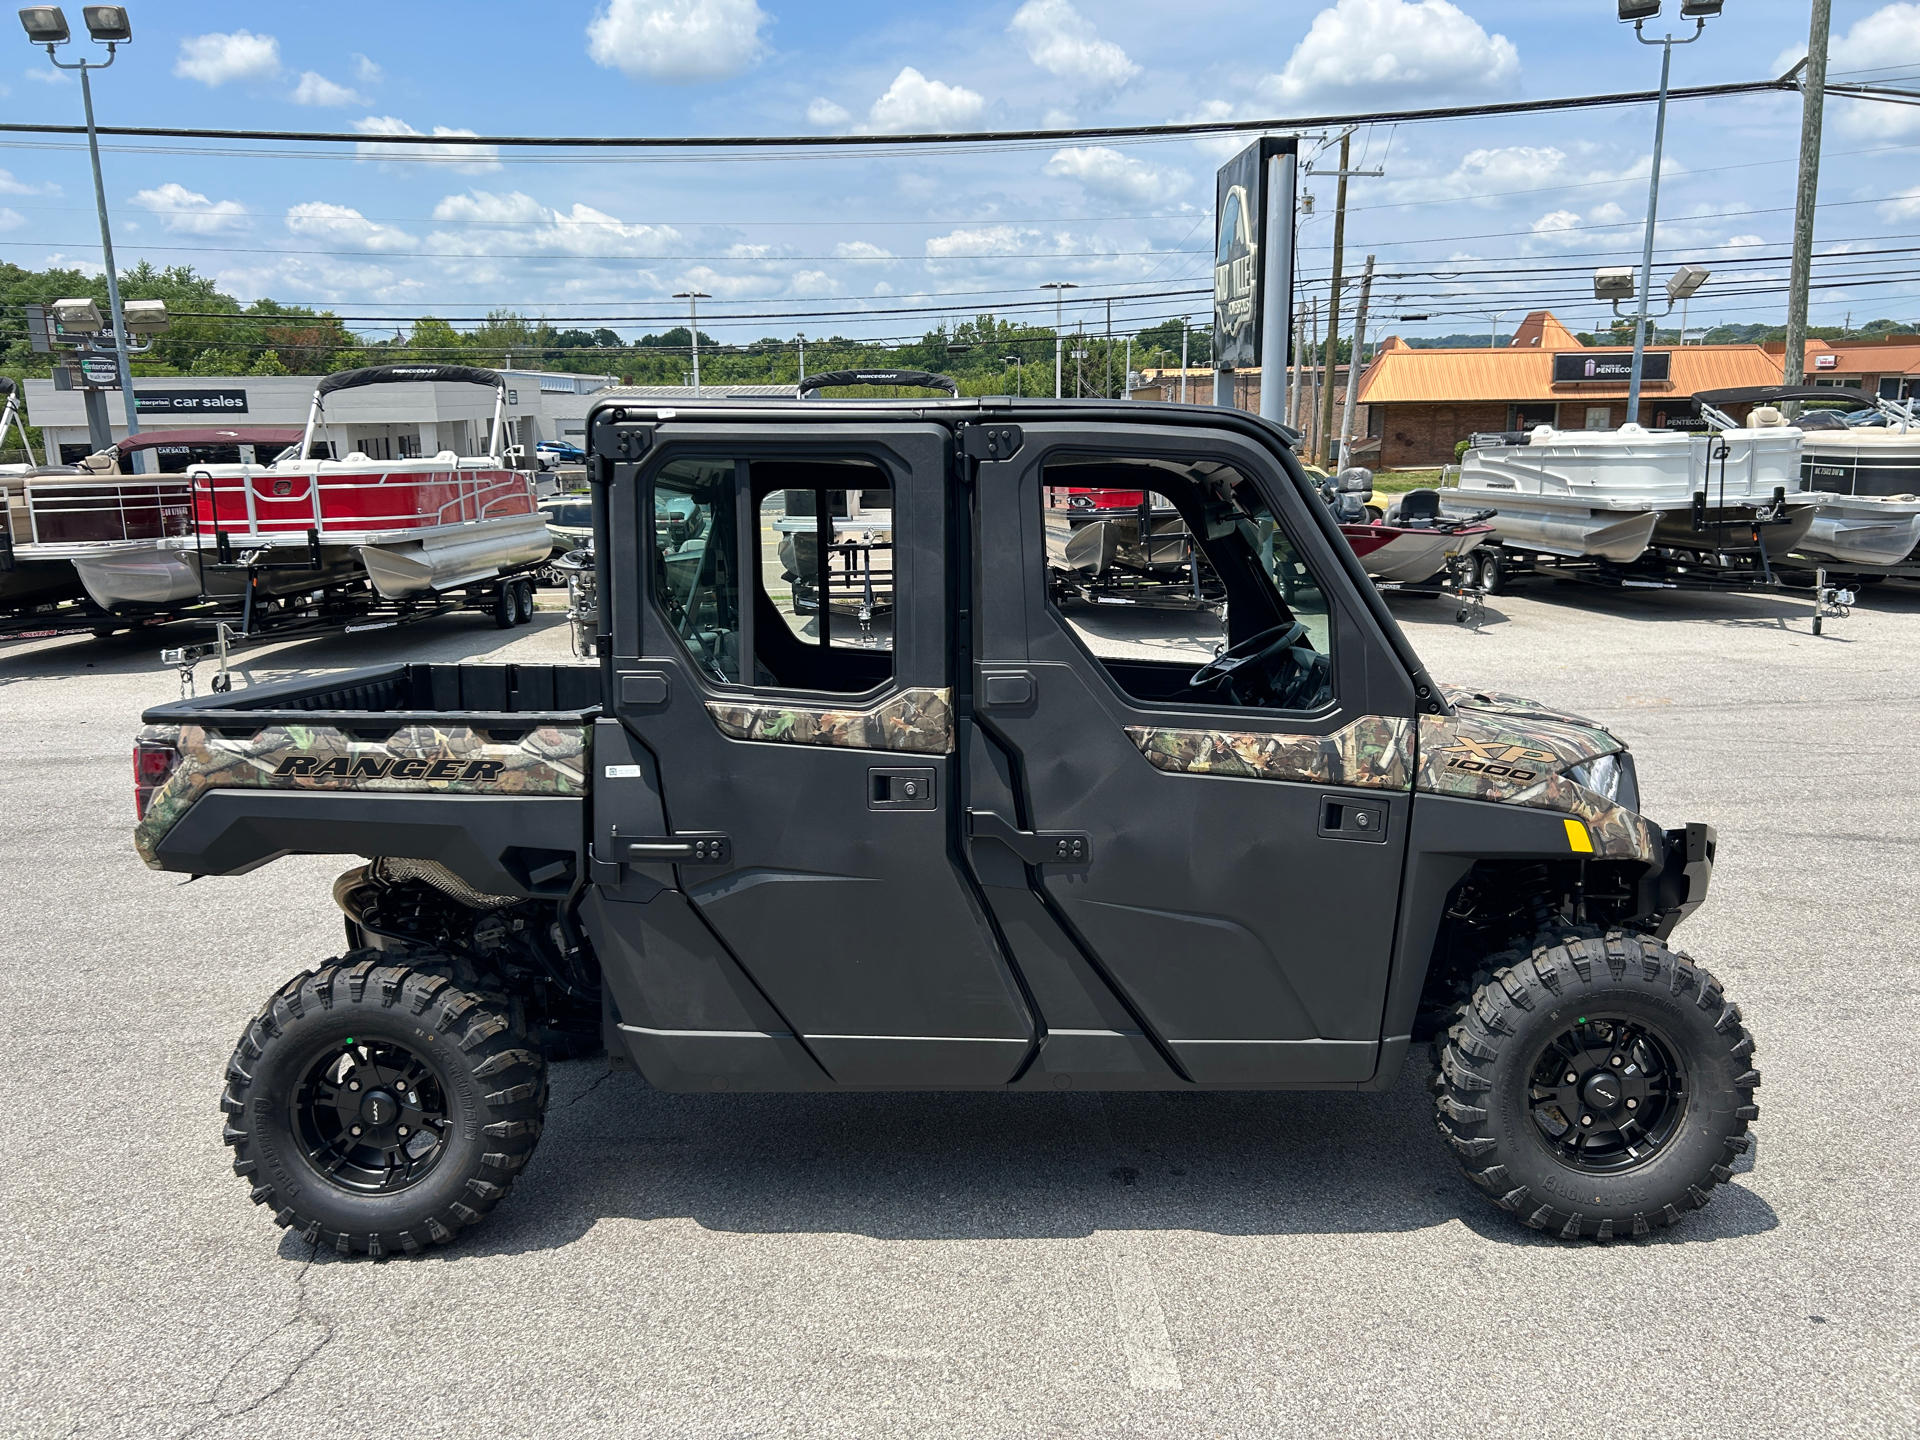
1061, 41
678, 42
315, 89
1747, 240
11, 186
824, 113
989, 240
518, 224
366, 71
861, 250
11, 219
343, 225
1904, 206
187, 212
48, 77
215, 59
1890, 36
1558, 225
913, 102
1609, 213
1398, 49
463, 159
1107, 172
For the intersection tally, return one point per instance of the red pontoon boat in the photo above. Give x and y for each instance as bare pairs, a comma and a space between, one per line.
415, 527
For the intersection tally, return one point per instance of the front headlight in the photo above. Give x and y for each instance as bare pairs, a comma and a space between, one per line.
1612, 776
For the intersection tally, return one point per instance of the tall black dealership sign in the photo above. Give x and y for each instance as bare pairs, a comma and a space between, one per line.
1240, 251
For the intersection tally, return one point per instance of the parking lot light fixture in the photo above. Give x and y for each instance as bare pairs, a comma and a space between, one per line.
1696, 11
107, 24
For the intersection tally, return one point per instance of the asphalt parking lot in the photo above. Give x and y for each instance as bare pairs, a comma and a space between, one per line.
1033, 1265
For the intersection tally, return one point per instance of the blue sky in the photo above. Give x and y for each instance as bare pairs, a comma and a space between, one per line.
1535, 200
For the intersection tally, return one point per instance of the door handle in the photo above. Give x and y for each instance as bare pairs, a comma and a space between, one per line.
678, 849
1071, 848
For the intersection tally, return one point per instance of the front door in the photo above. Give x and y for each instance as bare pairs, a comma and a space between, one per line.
1209, 748
791, 676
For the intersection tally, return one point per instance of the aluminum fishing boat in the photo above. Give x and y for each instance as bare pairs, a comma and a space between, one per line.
302, 522
26, 584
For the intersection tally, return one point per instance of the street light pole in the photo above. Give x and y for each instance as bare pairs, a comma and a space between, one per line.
1666, 45
1059, 288
693, 299
115, 34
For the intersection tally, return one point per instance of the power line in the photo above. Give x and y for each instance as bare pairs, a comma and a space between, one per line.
1182, 129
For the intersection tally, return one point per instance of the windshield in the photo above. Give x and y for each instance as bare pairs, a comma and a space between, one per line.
579, 516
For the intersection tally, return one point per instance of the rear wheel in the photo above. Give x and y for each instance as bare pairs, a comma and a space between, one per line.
379, 1109
1493, 574
1598, 1087
523, 601
506, 610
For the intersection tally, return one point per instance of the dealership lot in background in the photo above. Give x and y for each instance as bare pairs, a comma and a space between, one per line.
994, 1264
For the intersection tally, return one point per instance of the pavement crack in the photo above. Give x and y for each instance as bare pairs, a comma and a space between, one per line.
591, 1088
304, 1317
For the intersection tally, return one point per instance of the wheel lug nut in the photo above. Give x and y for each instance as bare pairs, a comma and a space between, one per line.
1633, 1104
403, 1129
1571, 1077
353, 1084
356, 1129
1615, 1061
1586, 1119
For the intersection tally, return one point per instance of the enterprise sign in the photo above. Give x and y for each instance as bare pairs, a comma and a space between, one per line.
1610, 367
191, 402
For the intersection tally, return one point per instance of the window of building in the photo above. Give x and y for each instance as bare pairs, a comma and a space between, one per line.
1179, 582
1525, 417
802, 596
408, 446
1599, 417
374, 447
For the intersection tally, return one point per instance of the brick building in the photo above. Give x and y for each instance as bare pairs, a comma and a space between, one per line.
1888, 366
1421, 403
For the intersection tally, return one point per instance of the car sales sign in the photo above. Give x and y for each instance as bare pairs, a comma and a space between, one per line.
191, 402
1240, 243
1608, 367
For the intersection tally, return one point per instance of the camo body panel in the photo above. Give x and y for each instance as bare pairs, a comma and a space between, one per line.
1515, 752
1375, 752
551, 760
918, 722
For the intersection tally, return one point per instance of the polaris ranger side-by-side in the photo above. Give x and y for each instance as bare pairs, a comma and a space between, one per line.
971, 842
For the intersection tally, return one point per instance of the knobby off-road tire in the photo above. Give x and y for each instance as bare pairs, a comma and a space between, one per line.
1569, 1035
445, 1088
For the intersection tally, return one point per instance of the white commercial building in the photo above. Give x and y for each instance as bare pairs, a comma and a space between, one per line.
384, 422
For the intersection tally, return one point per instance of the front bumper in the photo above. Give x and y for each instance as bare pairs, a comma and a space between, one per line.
1681, 884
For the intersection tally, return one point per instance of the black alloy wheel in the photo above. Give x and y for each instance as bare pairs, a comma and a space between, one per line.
1597, 1084
371, 1116
1606, 1094
379, 1108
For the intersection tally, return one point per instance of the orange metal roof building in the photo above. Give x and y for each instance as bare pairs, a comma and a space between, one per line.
1522, 372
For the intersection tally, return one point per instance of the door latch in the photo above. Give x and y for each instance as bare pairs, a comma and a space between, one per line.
901, 787
1071, 848
678, 850
1352, 820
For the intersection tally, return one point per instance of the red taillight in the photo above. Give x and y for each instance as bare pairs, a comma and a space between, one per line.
152, 764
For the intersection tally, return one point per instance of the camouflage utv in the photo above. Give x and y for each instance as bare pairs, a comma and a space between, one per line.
991, 845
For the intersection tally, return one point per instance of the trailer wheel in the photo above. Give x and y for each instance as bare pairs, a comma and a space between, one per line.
378, 1109
1597, 1087
506, 613
1493, 573
523, 602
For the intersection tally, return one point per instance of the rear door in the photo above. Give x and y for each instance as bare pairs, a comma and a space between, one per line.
1228, 855
790, 674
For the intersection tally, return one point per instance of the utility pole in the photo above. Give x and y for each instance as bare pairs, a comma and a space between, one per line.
1333, 297
1106, 361
693, 299
1186, 328
1315, 358
802, 338
1294, 372
1813, 99
1059, 288
1126, 380
1353, 365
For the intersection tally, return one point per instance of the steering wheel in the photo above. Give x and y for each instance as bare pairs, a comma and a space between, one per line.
1250, 651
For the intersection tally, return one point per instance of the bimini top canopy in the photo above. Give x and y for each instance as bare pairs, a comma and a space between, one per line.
1769, 394
835, 378
269, 436
407, 375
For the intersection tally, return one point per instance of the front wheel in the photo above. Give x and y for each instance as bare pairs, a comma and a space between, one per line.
1598, 1087
375, 1108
